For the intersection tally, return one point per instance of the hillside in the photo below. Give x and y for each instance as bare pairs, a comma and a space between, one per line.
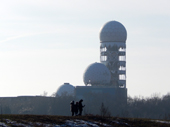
77, 121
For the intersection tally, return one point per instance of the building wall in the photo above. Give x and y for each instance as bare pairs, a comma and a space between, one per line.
82, 91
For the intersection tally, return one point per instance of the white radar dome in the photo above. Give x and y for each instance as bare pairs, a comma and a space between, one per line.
97, 74
65, 89
113, 31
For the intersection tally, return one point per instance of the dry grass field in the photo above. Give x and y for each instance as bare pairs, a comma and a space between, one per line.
77, 121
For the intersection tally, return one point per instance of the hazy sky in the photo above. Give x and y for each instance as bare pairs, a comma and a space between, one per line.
45, 43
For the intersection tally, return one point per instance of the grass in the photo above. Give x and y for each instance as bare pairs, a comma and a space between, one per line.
59, 120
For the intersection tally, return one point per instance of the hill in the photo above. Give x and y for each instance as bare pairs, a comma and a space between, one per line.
77, 121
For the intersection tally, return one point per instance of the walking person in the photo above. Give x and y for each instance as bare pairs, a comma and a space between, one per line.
81, 106
72, 107
76, 108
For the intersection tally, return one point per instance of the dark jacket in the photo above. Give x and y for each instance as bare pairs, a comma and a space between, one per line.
76, 107
72, 106
80, 105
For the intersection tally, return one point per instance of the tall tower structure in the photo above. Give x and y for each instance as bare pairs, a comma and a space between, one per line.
107, 78
113, 51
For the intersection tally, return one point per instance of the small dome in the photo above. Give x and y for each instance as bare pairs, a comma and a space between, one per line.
65, 89
97, 74
113, 31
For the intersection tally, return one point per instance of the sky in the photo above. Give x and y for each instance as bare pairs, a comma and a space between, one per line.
46, 43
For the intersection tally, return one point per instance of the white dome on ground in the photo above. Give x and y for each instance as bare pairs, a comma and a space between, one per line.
97, 74
113, 31
65, 89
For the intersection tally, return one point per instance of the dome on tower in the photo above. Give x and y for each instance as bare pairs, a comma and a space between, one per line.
113, 31
65, 89
97, 74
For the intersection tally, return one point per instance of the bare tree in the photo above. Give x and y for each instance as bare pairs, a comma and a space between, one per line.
44, 93
104, 111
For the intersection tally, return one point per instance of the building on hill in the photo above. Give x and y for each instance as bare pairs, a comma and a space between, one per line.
109, 76
104, 82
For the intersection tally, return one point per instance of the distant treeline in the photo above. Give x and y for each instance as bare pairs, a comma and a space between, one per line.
154, 107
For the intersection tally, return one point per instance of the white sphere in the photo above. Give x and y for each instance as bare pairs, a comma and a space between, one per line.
113, 31
65, 89
97, 74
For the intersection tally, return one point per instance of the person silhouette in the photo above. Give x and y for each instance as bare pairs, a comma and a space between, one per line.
72, 107
76, 108
81, 106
